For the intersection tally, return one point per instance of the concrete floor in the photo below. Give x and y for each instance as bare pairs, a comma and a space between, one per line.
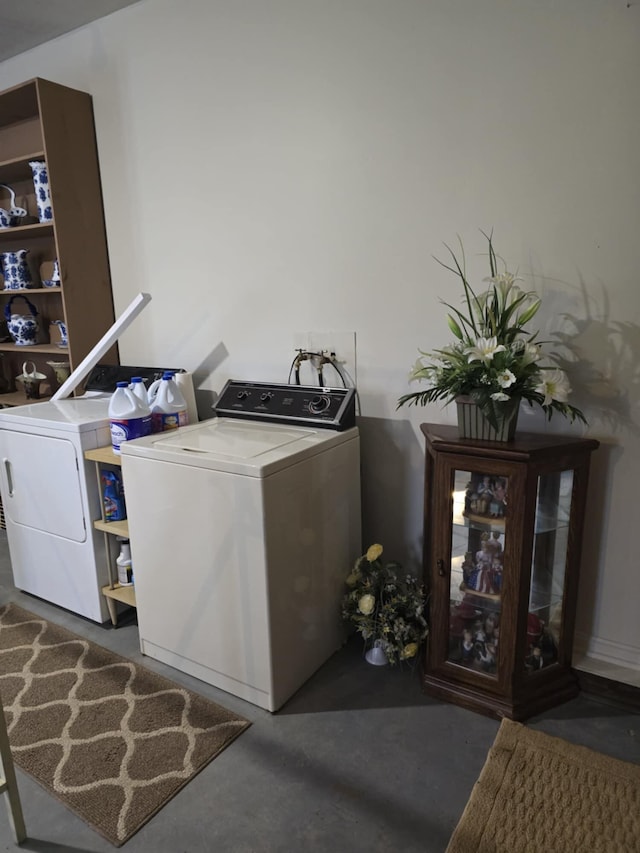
358, 760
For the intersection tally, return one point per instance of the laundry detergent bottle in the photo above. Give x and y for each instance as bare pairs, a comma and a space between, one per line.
128, 417
169, 408
123, 562
139, 391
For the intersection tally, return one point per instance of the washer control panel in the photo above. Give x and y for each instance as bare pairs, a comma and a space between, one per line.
304, 405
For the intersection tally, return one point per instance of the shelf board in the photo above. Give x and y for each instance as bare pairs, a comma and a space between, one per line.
49, 348
117, 528
19, 398
26, 291
18, 168
21, 232
125, 594
103, 454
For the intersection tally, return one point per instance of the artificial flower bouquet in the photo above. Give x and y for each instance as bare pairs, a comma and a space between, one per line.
493, 359
387, 604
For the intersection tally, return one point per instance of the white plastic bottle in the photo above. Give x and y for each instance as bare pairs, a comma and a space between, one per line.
123, 562
128, 419
138, 390
152, 391
169, 409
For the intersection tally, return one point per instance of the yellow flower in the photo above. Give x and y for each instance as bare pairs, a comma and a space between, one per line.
366, 604
374, 552
409, 651
353, 578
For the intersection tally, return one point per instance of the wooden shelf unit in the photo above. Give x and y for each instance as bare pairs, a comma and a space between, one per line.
101, 457
41, 120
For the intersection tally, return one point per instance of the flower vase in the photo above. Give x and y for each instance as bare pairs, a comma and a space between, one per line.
41, 187
473, 424
376, 654
15, 270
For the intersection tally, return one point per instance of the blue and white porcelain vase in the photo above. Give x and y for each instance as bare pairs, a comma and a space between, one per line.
23, 328
15, 270
41, 187
64, 340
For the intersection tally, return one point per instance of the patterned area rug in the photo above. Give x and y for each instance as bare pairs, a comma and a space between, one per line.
110, 739
538, 794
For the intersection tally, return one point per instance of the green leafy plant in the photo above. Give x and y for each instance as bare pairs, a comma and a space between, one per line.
386, 603
494, 359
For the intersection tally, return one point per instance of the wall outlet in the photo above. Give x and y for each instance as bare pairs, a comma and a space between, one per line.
341, 345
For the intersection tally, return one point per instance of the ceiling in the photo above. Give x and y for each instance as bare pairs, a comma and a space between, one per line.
27, 23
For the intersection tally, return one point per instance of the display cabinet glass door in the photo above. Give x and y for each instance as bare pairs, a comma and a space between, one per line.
548, 569
478, 536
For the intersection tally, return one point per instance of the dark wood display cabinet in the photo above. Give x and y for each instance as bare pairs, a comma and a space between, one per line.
47, 122
502, 545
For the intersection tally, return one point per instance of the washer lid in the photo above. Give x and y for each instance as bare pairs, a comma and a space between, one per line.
236, 446
234, 439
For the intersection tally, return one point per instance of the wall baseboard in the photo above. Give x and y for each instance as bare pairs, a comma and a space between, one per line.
615, 654
617, 693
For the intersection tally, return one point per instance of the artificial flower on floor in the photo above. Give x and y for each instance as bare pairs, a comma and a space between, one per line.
493, 360
385, 603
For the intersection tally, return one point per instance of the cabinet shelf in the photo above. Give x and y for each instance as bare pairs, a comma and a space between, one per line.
25, 291
19, 398
124, 594
23, 232
114, 528
27, 352
18, 168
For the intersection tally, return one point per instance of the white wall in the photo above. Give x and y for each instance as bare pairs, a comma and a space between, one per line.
278, 166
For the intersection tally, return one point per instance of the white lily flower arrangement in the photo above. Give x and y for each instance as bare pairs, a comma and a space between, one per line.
493, 360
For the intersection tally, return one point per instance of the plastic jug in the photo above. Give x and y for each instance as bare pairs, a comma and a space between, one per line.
129, 418
138, 389
169, 408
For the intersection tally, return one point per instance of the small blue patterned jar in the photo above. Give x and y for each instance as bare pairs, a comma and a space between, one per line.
15, 270
41, 187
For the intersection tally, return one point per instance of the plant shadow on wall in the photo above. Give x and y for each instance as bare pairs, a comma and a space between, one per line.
602, 355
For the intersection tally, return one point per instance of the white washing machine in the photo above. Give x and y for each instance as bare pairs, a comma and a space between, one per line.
243, 529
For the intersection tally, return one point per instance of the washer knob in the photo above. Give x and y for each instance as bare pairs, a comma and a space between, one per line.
319, 404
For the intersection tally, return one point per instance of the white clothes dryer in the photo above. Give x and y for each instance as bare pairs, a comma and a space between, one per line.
50, 498
50, 493
243, 529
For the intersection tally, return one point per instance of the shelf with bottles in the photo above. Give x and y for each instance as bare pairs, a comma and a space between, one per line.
106, 460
